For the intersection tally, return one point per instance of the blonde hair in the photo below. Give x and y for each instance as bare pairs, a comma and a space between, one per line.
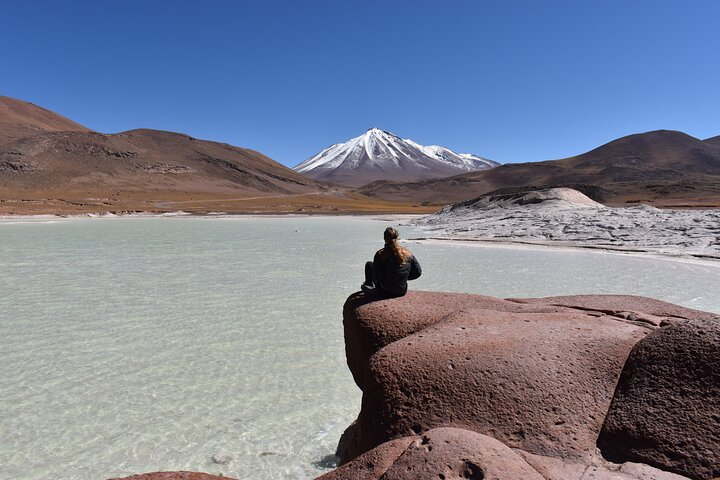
392, 247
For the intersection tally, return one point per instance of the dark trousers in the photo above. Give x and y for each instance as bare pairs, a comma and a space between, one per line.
369, 273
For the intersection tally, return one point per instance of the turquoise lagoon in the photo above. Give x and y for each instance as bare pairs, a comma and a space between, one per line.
215, 344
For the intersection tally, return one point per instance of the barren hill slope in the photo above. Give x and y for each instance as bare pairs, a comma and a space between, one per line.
141, 160
49, 164
713, 141
661, 167
20, 119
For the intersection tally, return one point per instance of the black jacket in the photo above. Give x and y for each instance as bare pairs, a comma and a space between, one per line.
391, 276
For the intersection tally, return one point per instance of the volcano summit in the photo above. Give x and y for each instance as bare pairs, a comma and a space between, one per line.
380, 155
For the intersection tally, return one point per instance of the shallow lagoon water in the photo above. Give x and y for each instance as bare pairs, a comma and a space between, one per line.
140, 344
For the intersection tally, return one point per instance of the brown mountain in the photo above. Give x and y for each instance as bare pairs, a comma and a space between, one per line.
20, 119
143, 160
713, 141
49, 164
664, 168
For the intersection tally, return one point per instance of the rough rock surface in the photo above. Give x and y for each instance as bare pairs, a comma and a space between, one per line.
537, 375
174, 476
372, 464
368, 329
566, 217
537, 381
453, 453
442, 453
666, 410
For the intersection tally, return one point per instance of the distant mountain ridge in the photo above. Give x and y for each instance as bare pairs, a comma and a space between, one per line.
663, 166
45, 156
19, 119
713, 140
142, 159
50, 163
381, 155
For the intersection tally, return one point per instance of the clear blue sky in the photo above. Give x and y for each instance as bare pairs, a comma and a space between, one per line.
509, 80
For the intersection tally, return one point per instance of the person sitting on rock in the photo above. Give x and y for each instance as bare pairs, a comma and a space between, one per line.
387, 275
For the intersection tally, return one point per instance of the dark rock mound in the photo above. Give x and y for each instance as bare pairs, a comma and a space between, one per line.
666, 410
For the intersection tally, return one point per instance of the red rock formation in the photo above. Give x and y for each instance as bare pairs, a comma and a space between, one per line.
174, 476
666, 410
372, 464
443, 453
536, 374
453, 453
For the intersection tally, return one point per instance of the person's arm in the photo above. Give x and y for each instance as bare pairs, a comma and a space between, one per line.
377, 269
415, 270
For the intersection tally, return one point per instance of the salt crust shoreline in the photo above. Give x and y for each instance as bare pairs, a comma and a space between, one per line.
707, 260
565, 218
401, 217
556, 246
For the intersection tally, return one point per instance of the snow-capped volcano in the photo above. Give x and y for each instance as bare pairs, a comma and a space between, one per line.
380, 155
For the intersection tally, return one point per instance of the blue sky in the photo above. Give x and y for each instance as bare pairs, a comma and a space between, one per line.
509, 80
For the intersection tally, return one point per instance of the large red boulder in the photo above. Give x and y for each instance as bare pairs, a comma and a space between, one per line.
536, 374
174, 476
541, 382
370, 324
666, 410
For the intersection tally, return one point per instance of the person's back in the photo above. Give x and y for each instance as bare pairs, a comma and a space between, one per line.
391, 268
391, 275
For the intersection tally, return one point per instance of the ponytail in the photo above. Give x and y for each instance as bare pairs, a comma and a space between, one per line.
392, 247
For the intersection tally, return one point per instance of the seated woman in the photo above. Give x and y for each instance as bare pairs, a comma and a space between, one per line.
387, 275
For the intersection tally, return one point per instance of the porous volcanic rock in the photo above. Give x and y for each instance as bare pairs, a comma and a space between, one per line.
629, 307
666, 410
536, 374
370, 325
372, 464
174, 476
441, 453
537, 381
598, 469
454, 453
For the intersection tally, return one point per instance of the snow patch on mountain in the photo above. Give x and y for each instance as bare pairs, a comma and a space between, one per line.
380, 151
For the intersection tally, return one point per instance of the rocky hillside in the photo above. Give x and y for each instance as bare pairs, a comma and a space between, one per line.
713, 141
43, 150
662, 167
50, 164
141, 160
20, 119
